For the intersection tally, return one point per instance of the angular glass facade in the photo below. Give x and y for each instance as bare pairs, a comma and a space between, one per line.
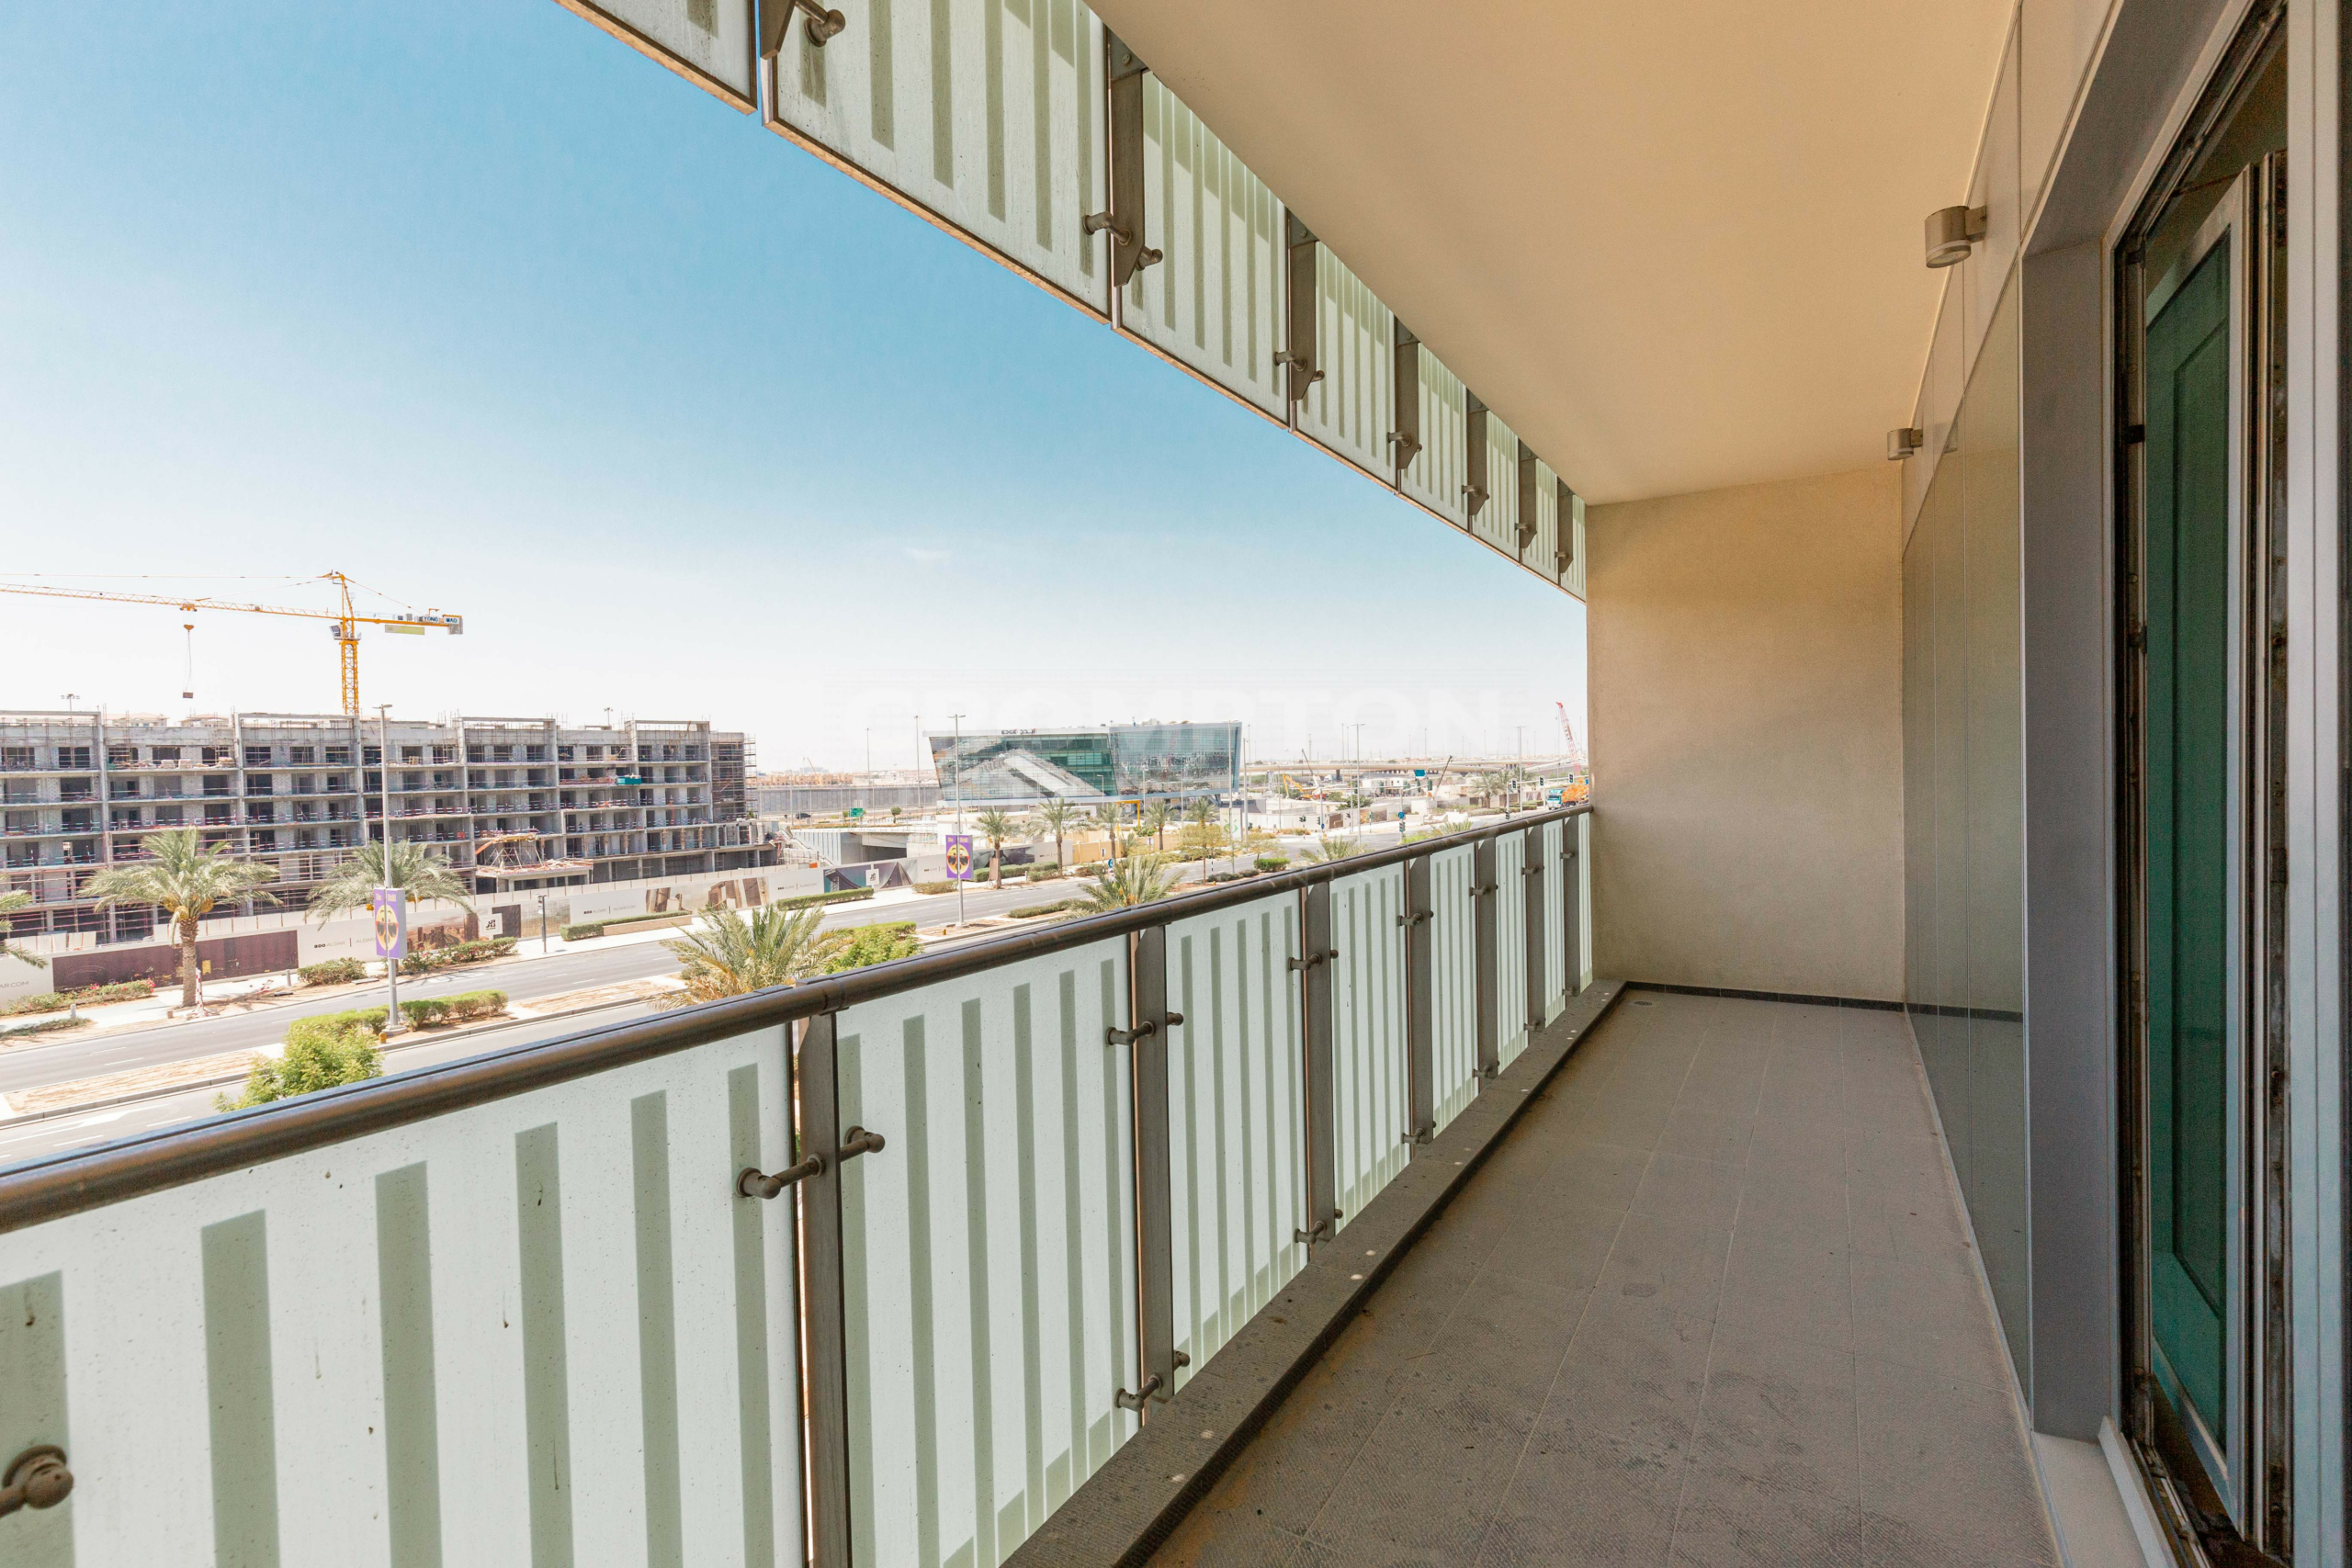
1115, 762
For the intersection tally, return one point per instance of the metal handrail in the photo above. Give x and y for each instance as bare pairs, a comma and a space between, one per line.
71, 1182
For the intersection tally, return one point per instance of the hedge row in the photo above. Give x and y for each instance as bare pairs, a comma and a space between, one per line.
1031, 911
586, 930
81, 995
326, 1028
476, 952
436, 1012
333, 972
1039, 873
42, 1026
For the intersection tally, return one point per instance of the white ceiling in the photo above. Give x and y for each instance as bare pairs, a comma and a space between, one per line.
1675, 243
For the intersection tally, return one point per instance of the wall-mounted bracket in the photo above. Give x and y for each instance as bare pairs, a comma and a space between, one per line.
775, 18
1124, 222
1527, 498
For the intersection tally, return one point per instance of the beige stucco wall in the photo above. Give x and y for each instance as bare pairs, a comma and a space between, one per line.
1747, 703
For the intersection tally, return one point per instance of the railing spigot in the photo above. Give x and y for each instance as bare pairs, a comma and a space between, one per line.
858, 1141
35, 1479
1135, 1401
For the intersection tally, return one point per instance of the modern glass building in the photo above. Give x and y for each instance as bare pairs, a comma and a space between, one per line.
1115, 762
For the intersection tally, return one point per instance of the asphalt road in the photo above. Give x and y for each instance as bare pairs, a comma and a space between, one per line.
523, 979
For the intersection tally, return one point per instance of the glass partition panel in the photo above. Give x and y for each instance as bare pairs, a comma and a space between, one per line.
1453, 983
1964, 814
987, 118
709, 42
1369, 1092
1214, 301
988, 1252
1510, 947
485, 1336
1584, 899
1351, 410
1437, 473
1236, 1148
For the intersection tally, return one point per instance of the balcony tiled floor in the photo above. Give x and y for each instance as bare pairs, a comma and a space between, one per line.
1711, 1302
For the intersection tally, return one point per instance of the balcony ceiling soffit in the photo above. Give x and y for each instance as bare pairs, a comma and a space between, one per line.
1675, 243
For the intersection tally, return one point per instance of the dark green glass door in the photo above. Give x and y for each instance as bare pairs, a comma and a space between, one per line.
2194, 841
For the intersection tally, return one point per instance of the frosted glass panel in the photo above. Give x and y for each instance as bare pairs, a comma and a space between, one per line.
1511, 946
1351, 410
707, 41
1453, 982
491, 1335
988, 116
1437, 473
1555, 932
1369, 1090
1574, 580
987, 1253
1214, 301
1235, 1154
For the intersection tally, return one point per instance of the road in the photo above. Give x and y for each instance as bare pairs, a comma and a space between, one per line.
523, 979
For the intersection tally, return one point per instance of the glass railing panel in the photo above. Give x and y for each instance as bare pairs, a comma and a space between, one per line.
1435, 476
1236, 1147
1574, 580
1369, 1091
1351, 410
1454, 965
1498, 521
1511, 946
987, 118
709, 42
1583, 825
1555, 931
988, 1259
1213, 300
492, 1335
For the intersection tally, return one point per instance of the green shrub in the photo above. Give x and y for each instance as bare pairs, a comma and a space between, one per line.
316, 1057
1093, 868
1040, 872
435, 1011
948, 887
39, 1001
877, 943
42, 1026
1031, 911
581, 932
81, 995
1272, 862
1231, 875
839, 896
476, 952
333, 972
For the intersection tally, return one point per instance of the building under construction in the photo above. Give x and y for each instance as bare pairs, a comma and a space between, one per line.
515, 803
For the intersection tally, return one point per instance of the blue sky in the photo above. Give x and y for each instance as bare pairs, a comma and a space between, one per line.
472, 302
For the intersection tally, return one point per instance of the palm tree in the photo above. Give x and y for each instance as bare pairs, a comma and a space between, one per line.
9, 903
1057, 816
732, 956
1329, 847
187, 879
996, 827
417, 872
1154, 819
1138, 879
1107, 819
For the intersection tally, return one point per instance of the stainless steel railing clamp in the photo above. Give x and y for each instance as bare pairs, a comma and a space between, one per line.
822, 26
35, 1479
752, 1183
1113, 1036
1141, 1397
1312, 959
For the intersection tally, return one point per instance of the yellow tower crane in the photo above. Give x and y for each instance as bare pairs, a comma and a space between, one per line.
344, 623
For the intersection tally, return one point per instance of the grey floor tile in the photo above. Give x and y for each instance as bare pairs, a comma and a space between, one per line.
1797, 1288
1807, 1151
1673, 1261
1696, 1188
1700, 1133
1217, 1536
1558, 1242
1727, 1076
1289, 1470
1584, 1497
1506, 1333
1778, 1204
1931, 1316
1948, 1459
1634, 1371
1597, 1174
1423, 1488
1782, 1411
1729, 1519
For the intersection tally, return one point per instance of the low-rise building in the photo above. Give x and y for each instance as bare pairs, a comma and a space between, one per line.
515, 803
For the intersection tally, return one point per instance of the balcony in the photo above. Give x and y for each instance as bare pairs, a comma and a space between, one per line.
1496, 1267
